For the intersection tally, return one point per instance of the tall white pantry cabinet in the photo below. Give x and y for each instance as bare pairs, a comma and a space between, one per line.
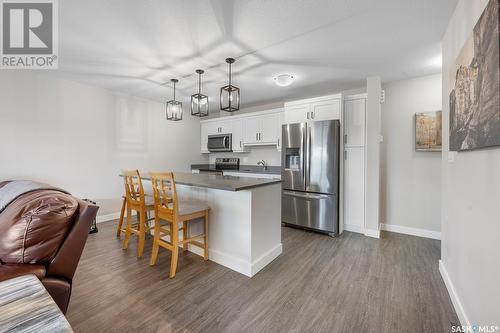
354, 162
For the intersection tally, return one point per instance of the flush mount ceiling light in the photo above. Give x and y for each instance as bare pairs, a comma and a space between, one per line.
230, 95
199, 102
174, 108
284, 80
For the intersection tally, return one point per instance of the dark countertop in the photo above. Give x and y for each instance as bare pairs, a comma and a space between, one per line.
219, 182
270, 170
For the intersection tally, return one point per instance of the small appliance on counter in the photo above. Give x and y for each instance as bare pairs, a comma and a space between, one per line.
310, 174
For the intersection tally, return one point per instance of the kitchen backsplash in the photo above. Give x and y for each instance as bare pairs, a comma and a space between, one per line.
268, 153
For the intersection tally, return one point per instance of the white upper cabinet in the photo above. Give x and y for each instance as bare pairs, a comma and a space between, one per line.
261, 130
269, 128
297, 113
281, 119
237, 135
249, 129
314, 109
354, 124
325, 110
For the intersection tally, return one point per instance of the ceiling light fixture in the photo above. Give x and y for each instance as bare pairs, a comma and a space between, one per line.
284, 80
230, 95
174, 108
199, 102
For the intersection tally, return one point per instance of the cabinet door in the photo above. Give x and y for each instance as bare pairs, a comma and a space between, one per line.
251, 129
204, 137
225, 126
269, 128
281, 119
354, 122
325, 110
212, 127
354, 189
237, 137
297, 113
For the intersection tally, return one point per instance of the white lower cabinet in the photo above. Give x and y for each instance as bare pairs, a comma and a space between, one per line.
354, 189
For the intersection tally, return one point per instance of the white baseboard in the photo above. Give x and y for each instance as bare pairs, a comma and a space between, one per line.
111, 217
266, 258
411, 231
455, 300
354, 228
372, 233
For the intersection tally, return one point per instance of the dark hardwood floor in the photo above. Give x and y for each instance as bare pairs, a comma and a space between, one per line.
319, 284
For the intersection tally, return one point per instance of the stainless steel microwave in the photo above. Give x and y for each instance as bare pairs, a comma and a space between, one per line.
219, 142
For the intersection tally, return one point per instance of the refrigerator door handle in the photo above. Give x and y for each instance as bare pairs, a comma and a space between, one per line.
307, 178
307, 195
305, 153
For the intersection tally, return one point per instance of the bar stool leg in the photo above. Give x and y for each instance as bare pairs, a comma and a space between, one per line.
142, 233
174, 236
205, 238
120, 221
184, 235
128, 229
156, 238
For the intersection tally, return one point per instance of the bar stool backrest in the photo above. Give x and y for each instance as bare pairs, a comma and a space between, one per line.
134, 192
165, 194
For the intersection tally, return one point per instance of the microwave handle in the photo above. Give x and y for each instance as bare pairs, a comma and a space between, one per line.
225, 141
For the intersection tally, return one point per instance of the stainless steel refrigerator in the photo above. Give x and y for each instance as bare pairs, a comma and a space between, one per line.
310, 174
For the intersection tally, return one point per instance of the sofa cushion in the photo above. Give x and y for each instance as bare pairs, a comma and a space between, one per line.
9, 271
33, 226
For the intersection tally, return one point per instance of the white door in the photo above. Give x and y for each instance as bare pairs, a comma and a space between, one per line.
251, 129
354, 122
269, 128
297, 113
325, 110
237, 134
354, 189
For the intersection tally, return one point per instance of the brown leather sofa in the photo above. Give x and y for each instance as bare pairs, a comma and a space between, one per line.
53, 251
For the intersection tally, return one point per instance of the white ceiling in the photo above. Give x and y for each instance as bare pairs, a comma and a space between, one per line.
135, 47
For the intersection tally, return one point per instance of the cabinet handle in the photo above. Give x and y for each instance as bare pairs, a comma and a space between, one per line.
240, 144
307, 115
312, 115
256, 136
345, 138
260, 136
278, 142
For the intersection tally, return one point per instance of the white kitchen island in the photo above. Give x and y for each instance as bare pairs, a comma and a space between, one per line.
244, 221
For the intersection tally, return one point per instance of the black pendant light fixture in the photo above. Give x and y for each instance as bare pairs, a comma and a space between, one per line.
174, 108
230, 95
199, 102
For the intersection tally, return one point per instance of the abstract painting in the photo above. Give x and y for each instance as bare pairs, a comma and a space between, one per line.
428, 134
475, 80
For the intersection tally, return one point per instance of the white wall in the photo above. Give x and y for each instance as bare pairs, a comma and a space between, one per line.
410, 180
470, 247
79, 137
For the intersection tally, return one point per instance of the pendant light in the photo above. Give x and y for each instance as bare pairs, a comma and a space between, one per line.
199, 102
230, 95
174, 108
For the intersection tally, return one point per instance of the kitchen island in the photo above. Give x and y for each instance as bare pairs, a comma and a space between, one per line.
244, 221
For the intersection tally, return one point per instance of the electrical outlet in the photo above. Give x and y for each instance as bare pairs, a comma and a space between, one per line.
451, 156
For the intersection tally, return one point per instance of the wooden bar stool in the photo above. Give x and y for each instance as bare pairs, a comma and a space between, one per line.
169, 210
136, 200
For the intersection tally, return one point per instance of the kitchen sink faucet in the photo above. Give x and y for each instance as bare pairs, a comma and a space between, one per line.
263, 164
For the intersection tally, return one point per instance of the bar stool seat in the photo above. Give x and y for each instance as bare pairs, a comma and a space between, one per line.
188, 207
